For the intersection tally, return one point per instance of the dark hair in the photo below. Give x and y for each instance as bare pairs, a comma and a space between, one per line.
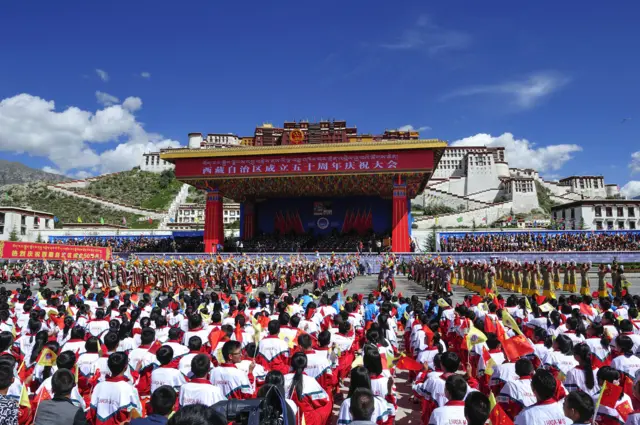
66, 360
164, 355
362, 404
324, 338
524, 367
62, 382
625, 344
544, 384
450, 361
359, 379
492, 341
6, 339
163, 400
456, 386
6, 373
298, 364
41, 340
608, 374
582, 403
565, 345
200, 365
583, 353
304, 341
372, 360
77, 332
228, 347
476, 408
111, 341
195, 343
117, 363
273, 327
196, 414
147, 336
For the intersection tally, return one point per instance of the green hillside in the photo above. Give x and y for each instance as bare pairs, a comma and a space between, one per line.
137, 188
38, 197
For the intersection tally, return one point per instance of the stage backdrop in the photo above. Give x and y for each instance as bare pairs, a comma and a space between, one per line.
324, 215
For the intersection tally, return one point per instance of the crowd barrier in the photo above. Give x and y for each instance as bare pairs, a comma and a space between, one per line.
372, 262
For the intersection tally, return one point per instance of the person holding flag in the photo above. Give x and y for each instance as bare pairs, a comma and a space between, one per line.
60, 410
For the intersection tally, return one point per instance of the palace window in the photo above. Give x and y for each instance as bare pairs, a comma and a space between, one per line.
621, 225
598, 211
598, 225
631, 212
609, 211
632, 225
620, 212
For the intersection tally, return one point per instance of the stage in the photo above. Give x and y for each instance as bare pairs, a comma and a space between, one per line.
360, 188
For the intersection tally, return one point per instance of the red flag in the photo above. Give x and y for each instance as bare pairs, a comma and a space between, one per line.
224, 297
627, 384
298, 223
500, 333
610, 395
429, 333
475, 300
215, 337
344, 293
516, 347
489, 325
408, 363
264, 321
369, 221
586, 310
355, 225
624, 409
155, 347
499, 417
238, 332
540, 299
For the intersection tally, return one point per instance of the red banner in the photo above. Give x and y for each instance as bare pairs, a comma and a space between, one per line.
300, 164
45, 251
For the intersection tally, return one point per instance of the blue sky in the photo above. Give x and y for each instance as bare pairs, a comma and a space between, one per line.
557, 77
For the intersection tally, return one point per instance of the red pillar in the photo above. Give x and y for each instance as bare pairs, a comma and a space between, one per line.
249, 220
213, 224
400, 217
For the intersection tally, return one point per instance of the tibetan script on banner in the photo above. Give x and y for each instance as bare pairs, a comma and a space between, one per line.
44, 251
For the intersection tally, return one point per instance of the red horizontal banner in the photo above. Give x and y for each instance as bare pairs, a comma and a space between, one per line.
45, 251
300, 164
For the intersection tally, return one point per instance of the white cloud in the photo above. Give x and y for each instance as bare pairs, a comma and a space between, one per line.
635, 162
103, 75
146, 75
132, 104
425, 35
68, 138
106, 99
81, 175
409, 127
631, 189
521, 153
51, 170
524, 94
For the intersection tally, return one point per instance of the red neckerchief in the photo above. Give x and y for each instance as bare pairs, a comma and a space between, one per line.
228, 365
454, 403
120, 378
200, 381
545, 402
144, 346
526, 377
495, 350
199, 328
271, 337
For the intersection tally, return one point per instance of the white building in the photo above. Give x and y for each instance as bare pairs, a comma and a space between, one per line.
151, 162
592, 187
213, 141
600, 214
194, 213
27, 224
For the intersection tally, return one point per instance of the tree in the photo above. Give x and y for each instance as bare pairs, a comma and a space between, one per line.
582, 224
430, 244
39, 238
13, 236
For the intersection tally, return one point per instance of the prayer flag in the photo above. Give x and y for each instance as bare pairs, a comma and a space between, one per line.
508, 320
79, 219
475, 336
101, 220
47, 358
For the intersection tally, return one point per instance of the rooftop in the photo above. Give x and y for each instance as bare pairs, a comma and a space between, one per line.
607, 202
25, 211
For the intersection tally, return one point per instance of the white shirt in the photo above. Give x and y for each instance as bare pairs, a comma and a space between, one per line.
543, 414
200, 391
451, 413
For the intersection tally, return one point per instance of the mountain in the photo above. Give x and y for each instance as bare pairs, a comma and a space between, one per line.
17, 173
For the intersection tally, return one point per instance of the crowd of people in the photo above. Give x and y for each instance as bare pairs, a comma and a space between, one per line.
521, 241
161, 342
138, 244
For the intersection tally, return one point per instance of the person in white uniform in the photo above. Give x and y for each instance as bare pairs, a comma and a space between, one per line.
547, 410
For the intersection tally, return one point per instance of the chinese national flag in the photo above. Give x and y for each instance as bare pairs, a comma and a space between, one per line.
624, 409
238, 332
516, 347
500, 333
155, 347
489, 325
610, 395
264, 321
44, 395
408, 363
497, 416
